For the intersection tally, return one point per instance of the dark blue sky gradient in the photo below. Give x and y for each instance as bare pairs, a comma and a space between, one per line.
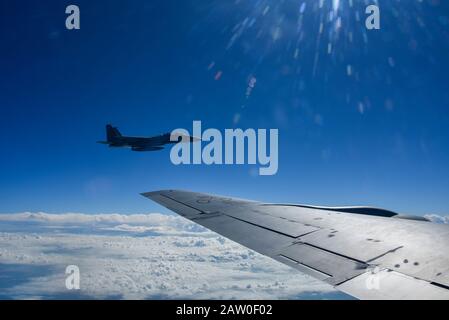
378, 137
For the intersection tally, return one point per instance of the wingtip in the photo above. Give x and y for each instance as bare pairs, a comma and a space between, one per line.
154, 193
147, 194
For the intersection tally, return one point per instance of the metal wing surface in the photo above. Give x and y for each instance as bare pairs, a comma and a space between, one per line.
364, 255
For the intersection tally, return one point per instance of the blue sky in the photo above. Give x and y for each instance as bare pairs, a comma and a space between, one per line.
364, 122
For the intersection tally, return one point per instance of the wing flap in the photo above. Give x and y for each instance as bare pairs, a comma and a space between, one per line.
391, 285
342, 242
262, 240
338, 268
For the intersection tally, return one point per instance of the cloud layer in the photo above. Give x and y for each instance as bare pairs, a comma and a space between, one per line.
142, 256
437, 218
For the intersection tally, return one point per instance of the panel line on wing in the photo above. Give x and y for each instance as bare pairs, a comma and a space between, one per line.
208, 216
305, 265
258, 225
384, 254
333, 252
335, 268
180, 202
440, 285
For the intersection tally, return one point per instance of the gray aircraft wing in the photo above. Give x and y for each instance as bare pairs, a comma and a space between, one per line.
367, 256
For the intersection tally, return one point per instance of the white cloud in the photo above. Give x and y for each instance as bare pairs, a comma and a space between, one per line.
144, 219
437, 218
156, 222
177, 259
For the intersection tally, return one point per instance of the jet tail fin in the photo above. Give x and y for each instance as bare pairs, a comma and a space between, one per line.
112, 132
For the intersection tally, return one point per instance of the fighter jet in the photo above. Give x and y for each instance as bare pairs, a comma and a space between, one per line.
116, 140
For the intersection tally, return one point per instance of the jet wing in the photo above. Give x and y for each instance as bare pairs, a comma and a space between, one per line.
363, 255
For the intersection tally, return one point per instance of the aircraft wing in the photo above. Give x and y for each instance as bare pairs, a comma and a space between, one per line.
363, 255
